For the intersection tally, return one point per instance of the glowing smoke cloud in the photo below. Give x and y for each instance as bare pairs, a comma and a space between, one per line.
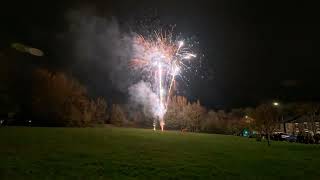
142, 94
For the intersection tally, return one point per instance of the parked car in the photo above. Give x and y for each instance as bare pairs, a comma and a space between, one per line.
279, 136
284, 136
291, 138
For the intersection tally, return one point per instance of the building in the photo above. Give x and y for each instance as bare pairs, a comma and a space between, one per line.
298, 124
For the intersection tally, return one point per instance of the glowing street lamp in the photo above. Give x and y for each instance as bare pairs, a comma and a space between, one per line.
277, 104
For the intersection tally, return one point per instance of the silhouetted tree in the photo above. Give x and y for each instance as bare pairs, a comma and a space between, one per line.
118, 116
237, 121
194, 113
60, 100
266, 118
99, 107
15, 82
175, 117
211, 123
182, 114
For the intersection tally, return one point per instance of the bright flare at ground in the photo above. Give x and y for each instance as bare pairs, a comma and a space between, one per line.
161, 59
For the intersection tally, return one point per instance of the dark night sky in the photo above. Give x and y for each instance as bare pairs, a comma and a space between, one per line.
254, 51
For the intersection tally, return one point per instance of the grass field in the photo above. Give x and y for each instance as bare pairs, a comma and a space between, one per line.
119, 153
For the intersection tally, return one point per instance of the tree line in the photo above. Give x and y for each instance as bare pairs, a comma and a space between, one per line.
53, 98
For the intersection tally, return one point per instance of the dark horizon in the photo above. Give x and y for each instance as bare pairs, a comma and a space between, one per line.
252, 51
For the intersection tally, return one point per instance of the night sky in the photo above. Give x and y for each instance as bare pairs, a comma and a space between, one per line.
253, 51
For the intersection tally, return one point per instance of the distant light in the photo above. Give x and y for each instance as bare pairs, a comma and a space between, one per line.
275, 103
246, 117
245, 133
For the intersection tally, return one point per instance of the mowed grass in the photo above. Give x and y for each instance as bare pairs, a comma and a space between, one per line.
120, 153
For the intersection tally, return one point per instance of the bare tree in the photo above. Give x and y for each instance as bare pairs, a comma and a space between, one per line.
194, 113
175, 117
266, 118
118, 116
198, 114
99, 107
60, 99
210, 122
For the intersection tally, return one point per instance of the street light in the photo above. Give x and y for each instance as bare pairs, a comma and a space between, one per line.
276, 104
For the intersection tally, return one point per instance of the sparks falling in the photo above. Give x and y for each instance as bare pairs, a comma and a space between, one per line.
161, 59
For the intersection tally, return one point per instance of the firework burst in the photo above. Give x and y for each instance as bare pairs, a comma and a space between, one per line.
160, 58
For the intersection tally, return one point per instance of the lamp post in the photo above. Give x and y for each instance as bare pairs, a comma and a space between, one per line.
277, 104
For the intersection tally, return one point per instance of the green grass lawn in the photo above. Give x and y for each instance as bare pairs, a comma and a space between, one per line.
120, 153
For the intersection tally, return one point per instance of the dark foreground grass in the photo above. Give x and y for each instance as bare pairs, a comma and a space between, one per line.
116, 153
